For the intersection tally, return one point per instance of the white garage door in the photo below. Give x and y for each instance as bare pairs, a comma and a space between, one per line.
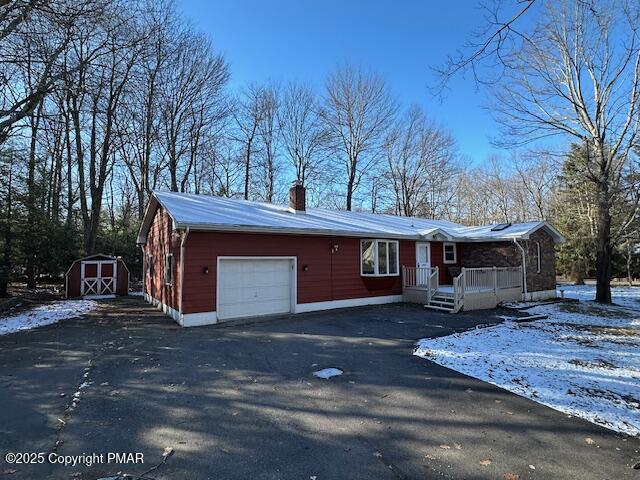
250, 287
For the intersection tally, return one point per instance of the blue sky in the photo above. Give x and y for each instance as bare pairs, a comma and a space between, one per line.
303, 40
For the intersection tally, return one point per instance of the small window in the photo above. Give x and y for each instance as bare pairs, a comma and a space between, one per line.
379, 258
538, 258
150, 265
168, 269
450, 254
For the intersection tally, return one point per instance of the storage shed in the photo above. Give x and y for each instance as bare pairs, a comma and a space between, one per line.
97, 276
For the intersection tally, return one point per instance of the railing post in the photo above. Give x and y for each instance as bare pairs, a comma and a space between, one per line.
495, 279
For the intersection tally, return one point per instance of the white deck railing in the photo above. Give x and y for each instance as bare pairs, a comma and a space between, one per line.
487, 280
416, 277
490, 278
510, 277
471, 281
423, 278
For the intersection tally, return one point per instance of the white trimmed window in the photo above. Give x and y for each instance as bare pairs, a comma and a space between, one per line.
450, 253
379, 258
538, 258
168, 269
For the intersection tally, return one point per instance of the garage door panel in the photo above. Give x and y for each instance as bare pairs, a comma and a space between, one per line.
250, 287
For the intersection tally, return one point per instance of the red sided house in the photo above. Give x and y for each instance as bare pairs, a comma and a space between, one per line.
209, 259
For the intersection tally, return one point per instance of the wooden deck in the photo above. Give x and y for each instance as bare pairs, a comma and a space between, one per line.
474, 289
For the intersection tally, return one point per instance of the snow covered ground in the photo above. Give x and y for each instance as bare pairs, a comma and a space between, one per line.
621, 295
45, 315
583, 360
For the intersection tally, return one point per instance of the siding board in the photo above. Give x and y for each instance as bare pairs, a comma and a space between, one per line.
329, 276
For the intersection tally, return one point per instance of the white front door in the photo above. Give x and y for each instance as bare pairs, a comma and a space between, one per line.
423, 255
254, 286
423, 262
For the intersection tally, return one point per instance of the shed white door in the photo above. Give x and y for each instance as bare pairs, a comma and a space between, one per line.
251, 287
98, 277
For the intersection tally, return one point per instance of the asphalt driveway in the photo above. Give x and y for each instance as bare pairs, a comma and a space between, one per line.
241, 402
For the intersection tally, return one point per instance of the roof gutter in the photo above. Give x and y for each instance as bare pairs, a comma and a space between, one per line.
182, 243
524, 267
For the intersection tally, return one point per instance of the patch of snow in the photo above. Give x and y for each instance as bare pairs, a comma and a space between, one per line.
327, 373
46, 315
136, 294
584, 360
620, 295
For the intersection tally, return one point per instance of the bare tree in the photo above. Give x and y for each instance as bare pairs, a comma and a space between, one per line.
578, 75
48, 27
95, 93
269, 130
140, 122
249, 114
483, 53
192, 99
537, 172
421, 166
357, 112
302, 133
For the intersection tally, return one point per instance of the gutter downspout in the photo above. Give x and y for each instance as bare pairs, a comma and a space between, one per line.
182, 242
144, 272
524, 267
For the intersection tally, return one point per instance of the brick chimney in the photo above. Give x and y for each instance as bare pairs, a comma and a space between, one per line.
297, 200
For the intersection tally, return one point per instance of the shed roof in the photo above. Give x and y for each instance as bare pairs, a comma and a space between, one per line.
204, 212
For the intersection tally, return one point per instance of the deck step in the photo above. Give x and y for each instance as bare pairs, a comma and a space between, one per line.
444, 294
441, 303
440, 298
437, 307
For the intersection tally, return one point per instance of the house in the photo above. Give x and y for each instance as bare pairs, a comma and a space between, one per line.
209, 259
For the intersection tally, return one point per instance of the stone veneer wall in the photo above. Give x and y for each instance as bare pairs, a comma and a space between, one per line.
507, 254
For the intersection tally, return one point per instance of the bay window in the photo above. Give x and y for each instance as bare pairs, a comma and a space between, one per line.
379, 258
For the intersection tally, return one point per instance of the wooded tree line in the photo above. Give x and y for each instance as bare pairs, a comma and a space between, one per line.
103, 101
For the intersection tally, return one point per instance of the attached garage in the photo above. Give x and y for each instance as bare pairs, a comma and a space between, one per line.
252, 286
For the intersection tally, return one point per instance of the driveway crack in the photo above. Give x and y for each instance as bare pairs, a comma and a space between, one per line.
74, 400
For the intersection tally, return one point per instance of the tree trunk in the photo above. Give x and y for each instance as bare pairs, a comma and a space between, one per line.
577, 274
5, 266
247, 168
350, 184
32, 209
604, 248
629, 257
